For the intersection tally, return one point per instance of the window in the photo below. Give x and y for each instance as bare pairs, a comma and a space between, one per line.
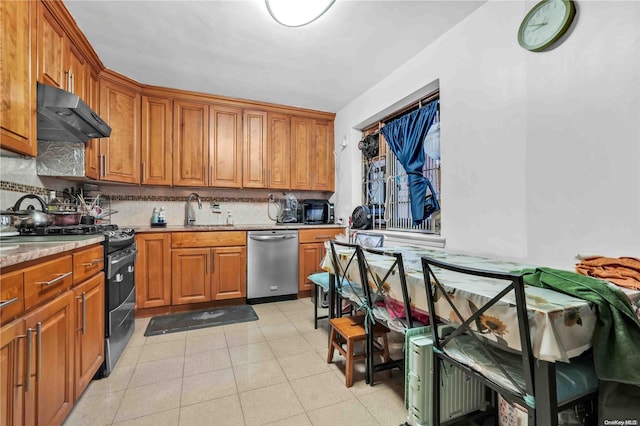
385, 183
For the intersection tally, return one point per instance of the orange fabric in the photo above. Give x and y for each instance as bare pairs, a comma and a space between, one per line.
623, 271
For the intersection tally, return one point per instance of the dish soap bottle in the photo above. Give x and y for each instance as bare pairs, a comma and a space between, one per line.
155, 217
229, 218
54, 204
162, 218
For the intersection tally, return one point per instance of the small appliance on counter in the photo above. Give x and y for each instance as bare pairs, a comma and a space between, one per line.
316, 211
287, 209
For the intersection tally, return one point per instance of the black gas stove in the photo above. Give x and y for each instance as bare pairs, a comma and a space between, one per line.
69, 230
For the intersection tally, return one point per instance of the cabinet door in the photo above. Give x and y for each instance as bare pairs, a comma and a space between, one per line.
190, 143
89, 325
92, 148
255, 149
17, 77
153, 270
279, 151
309, 255
12, 375
225, 152
76, 81
156, 141
52, 49
229, 277
301, 137
50, 396
120, 152
322, 160
191, 276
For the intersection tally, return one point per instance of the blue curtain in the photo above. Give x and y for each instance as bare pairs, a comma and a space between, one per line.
405, 136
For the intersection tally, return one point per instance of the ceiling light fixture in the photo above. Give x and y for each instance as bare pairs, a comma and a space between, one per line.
296, 13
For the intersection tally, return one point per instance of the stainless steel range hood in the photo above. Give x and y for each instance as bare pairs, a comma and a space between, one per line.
64, 117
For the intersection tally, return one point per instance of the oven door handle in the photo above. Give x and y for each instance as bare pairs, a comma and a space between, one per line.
129, 256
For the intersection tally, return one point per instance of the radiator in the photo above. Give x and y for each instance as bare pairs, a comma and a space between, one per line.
460, 394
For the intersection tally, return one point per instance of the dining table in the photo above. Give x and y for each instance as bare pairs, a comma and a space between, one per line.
561, 326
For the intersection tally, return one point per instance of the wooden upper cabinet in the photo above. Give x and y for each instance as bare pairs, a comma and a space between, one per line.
312, 162
156, 141
225, 149
267, 150
53, 49
322, 160
190, 143
254, 174
279, 151
120, 152
301, 139
77, 72
92, 148
17, 77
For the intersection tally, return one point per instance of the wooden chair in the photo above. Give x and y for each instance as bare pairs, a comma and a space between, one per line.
351, 329
542, 388
348, 331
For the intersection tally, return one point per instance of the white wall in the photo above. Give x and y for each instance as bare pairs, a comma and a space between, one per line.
540, 151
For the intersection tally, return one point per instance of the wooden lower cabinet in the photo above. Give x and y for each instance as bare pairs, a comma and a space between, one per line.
153, 270
311, 251
309, 257
49, 388
229, 273
12, 374
202, 274
89, 326
191, 276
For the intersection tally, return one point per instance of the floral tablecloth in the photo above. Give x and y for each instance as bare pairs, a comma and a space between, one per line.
561, 326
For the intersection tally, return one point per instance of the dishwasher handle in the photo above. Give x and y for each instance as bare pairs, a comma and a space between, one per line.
271, 237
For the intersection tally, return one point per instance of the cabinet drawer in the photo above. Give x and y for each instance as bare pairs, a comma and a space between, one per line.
47, 279
318, 235
87, 263
208, 239
11, 296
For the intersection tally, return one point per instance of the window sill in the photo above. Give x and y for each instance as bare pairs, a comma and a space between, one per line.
413, 238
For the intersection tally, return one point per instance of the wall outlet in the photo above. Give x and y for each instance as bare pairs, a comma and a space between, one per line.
215, 208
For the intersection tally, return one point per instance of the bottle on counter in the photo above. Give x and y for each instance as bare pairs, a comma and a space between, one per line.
155, 217
229, 218
162, 218
54, 203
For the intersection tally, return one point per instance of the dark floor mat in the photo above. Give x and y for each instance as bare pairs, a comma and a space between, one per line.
213, 317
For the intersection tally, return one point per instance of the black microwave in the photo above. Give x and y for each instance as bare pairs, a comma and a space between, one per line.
314, 212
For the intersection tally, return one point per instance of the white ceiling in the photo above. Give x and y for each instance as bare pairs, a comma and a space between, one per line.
233, 48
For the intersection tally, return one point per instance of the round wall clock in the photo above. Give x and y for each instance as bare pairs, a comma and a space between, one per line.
545, 23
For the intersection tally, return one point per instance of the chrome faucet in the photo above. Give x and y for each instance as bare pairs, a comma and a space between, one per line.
190, 215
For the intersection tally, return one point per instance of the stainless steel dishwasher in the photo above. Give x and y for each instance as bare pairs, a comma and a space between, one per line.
272, 265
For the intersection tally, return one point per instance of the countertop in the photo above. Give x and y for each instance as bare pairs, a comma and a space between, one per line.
243, 227
14, 250
19, 249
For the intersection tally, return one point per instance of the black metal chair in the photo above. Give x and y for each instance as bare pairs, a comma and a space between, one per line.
396, 314
347, 266
516, 375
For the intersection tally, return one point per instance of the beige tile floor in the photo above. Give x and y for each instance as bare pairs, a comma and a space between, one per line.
270, 371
